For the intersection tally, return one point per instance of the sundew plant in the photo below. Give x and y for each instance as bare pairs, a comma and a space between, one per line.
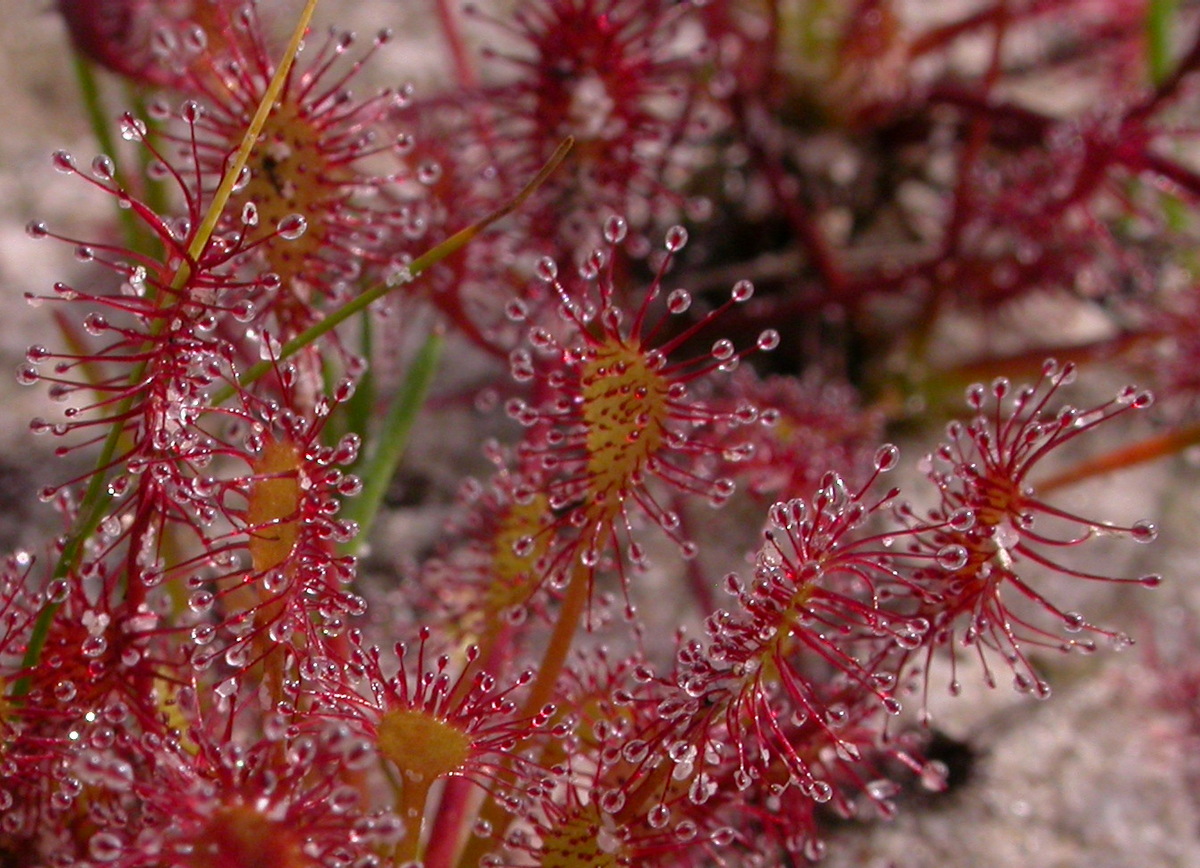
742, 339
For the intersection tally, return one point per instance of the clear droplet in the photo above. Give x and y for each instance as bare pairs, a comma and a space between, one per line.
429, 172
658, 816
952, 557
106, 847
63, 162
886, 457
678, 301
191, 111
292, 227
103, 167
1073, 622
1144, 532
677, 238
200, 601
723, 349
615, 229
132, 129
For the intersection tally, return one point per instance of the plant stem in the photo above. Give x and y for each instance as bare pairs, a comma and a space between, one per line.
1160, 24
554, 658
464, 71
1149, 449
89, 91
392, 438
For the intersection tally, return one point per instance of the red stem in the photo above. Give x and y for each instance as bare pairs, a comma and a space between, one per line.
464, 70
1150, 449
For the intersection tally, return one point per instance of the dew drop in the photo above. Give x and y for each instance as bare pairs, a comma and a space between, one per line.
615, 229
702, 789
768, 340
429, 173
886, 457
1120, 641
132, 129
63, 162
106, 847
546, 269
677, 238
723, 349
952, 557
612, 801
962, 519
836, 715
516, 311
658, 816
678, 301
882, 788
200, 601
1143, 532
103, 167
1073, 622
191, 111
291, 227
635, 750
743, 290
